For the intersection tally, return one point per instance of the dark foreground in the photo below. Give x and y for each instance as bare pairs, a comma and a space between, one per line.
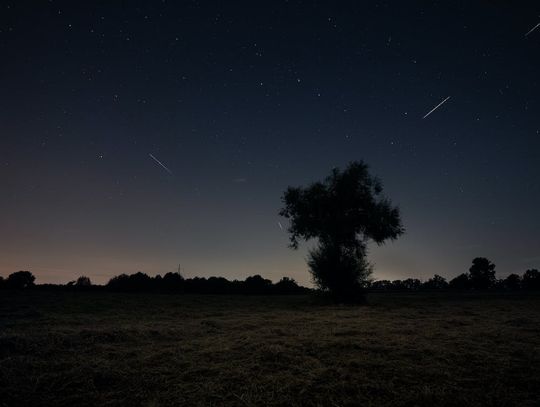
67, 349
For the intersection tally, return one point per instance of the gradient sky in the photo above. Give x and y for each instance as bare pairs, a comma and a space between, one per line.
238, 101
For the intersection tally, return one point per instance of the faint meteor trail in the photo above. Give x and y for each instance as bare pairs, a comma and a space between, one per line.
279, 224
436, 107
532, 29
160, 163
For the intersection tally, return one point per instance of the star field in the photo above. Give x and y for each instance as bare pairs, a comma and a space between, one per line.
136, 136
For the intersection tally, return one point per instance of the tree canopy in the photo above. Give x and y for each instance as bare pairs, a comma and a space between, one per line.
346, 208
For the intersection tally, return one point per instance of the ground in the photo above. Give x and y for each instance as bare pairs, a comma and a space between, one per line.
109, 349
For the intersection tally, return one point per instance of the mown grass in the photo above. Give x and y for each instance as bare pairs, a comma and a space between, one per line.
107, 349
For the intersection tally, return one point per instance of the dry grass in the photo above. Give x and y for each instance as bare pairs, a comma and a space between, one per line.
77, 349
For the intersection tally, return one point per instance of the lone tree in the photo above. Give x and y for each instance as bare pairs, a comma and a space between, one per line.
344, 212
482, 273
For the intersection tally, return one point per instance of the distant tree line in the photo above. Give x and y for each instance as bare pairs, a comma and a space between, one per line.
174, 282
170, 282
481, 276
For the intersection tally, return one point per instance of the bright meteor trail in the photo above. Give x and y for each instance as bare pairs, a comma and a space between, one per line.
160, 163
436, 107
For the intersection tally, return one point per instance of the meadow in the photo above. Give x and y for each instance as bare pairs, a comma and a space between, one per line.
417, 349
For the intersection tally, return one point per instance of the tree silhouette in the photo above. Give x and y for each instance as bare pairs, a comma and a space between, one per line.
482, 273
344, 212
20, 279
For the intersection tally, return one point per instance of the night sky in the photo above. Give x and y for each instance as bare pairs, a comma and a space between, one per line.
140, 135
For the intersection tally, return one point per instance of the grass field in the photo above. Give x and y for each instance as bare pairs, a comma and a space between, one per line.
79, 349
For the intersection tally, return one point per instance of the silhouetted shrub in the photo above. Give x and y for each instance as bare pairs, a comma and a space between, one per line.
461, 282
531, 280
20, 279
482, 273
343, 213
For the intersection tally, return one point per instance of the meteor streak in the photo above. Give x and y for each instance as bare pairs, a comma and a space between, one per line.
436, 107
160, 163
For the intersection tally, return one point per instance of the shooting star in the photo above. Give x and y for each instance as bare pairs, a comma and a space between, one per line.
279, 224
436, 107
160, 163
532, 29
